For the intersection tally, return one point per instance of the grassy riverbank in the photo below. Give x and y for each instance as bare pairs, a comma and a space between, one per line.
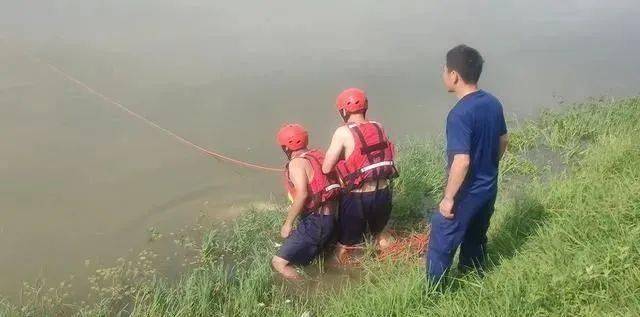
563, 241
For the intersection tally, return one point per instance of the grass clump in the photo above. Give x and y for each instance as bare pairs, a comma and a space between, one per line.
422, 175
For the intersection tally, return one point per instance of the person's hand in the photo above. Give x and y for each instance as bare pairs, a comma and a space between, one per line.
446, 208
285, 231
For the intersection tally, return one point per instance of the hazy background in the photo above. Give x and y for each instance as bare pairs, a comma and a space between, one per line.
81, 180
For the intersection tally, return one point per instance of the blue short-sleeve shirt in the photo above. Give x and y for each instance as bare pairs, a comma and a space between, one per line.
474, 127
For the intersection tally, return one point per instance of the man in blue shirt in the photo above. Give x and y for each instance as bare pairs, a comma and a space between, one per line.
476, 140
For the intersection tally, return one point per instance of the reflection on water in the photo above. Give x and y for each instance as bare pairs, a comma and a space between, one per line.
82, 180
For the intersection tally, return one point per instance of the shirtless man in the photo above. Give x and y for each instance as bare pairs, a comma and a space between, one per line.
363, 157
314, 197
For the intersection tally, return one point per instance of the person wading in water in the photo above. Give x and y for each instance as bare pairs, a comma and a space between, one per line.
314, 201
363, 157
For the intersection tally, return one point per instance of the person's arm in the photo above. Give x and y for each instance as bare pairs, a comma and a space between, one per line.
504, 137
457, 174
458, 149
504, 141
332, 156
298, 177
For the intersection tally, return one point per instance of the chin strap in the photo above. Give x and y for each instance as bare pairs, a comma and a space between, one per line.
287, 152
344, 115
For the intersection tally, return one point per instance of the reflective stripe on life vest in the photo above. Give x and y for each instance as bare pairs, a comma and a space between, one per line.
376, 165
331, 187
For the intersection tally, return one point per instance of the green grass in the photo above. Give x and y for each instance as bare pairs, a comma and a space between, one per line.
563, 241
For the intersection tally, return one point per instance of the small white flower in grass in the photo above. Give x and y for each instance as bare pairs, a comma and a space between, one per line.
288, 301
261, 304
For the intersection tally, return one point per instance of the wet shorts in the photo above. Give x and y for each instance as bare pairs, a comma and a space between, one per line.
307, 240
363, 213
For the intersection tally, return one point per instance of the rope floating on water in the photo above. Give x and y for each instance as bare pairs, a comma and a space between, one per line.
153, 124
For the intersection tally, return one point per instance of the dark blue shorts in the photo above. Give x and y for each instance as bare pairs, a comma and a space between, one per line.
363, 213
307, 240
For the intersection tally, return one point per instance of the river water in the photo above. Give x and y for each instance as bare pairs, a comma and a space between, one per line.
79, 179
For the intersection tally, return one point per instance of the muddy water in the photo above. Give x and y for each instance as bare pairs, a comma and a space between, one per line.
81, 180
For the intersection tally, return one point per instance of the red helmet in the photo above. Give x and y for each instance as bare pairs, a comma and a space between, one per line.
293, 137
352, 100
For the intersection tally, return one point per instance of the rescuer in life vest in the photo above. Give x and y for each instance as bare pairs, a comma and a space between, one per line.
314, 198
363, 157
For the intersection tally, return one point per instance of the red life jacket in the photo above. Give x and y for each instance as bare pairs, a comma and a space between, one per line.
372, 158
322, 188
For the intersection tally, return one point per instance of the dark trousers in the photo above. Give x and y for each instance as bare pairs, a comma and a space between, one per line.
307, 240
468, 229
363, 214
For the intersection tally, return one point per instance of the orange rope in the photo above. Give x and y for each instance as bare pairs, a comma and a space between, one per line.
404, 247
152, 123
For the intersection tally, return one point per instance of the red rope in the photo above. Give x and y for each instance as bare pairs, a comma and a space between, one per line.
154, 124
405, 246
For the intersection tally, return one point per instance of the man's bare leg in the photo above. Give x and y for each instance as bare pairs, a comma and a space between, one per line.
282, 266
383, 240
348, 254
341, 254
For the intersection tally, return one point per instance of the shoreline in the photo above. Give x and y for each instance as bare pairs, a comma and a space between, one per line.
537, 222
